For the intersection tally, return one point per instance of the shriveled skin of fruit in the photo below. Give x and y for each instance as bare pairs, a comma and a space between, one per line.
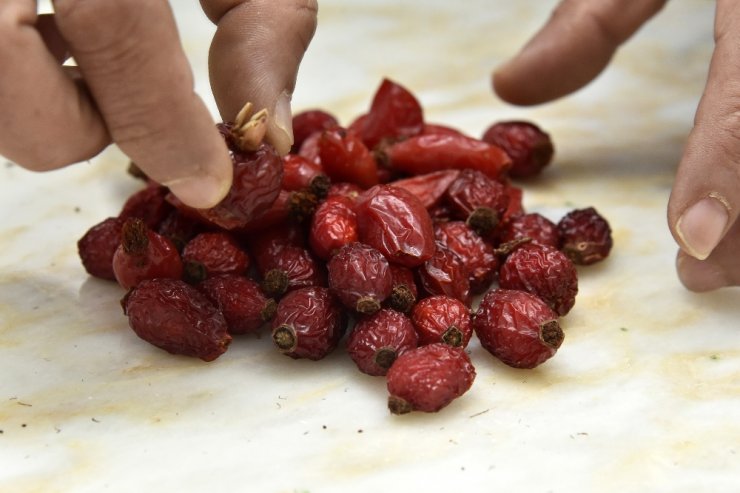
218, 253
404, 293
543, 271
148, 204
97, 247
442, 319
429, 188
333, 225
309, 122
309, 323
585, 236
299, 173
244, 306
176, 317
377, 340
473, 193
518, 328
345, 157
360, 277
478, 255
298, 264
268, 242
179, 228
529, 147
539, 229
394, 114
445, 273
428, 378
396, 223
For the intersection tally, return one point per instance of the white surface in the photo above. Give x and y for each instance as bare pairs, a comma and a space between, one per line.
644, 394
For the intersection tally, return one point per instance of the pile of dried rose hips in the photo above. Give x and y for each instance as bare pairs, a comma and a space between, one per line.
391, 226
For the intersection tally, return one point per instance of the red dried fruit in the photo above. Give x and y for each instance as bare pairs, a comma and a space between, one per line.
245, 308
429, 188
437, 128
292, 268
310, 148
395, 114
515, 207
478, 200
213, 253
333, 225
445, 273
309, 122
176, 317
308, 324
404, 292
148, 204
434, 152
349, 190
179, 228
543, 271
478, 256
442, 319
395, 222
536, 227
529, 148
377, 340
517, 327
300, 174
144, 254
267, 244
428, 378
345, 158
360, 277
97, 247
585, 236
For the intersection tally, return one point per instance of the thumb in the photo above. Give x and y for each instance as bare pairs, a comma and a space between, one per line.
255, 55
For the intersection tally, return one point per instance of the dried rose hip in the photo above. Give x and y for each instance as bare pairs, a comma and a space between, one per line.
149, 205
529, 148
144, 254
300, 174
333, 225
176, 317
345, 158
536, 227
241, 301
268, 242
349, 190
309, 122
438, 128
291, 268
360, 277
395, 114
442, 319
376, 341
585, 236
97, 247
179, 228
429, 188
308, 324
404, 292
395, 222
213, 253
543, 271
428, 378
477, 200
478, 256
517, 327
445, 273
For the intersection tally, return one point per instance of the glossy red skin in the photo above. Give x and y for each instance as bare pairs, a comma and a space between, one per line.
535, 226
359, 272
298, 172
445, 273
543, 271
148, 204
278, 213
529, 148
268, 242
430, 377
396, 223
309, 122
383, 330
315, 317
515, 206
179, 228
176, 317
437, 128
471, 190
434, 316
394, 114
158, 258
429, 188
256, 185
240, 300
585, 236
434, 152
404, 276
218, 252
349, 190
345, 157
310, 148
299, 264
333, 225
509, 324
477, 255
97, 247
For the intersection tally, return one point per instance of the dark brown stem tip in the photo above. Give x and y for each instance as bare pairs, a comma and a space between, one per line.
453, 336
275, 283
396, 405
367, 305
320, 185
385, 357
133, 236
302, 205
551, 334
284, 338
269, 310
402, 299
194, 272
483, 220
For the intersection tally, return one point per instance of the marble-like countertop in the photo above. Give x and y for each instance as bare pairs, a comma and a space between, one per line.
644, 394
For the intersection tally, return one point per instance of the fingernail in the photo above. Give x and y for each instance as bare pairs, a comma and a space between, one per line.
281, 131
702, 226
200, 192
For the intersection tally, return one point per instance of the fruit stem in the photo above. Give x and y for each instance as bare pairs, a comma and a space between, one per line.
133, 236
399, 406
551, 334
284, 338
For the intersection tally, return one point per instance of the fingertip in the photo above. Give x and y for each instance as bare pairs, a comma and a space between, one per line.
204, 190
700, 276
280, 125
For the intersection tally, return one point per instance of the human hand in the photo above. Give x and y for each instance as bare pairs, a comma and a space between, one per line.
575, 46
133, 85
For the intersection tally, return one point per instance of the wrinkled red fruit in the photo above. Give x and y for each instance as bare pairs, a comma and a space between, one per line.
144, 254
269, 241
244, 306
428, 378
211, 254
477, 200
149, 205
395, 114
300, 174
360, 277
395, 222
333, 225
543, 271
539, 229
176, 317
309, 122
429, 188
445, 273
376, 341
345, 158
442, 319
97, 247
585, 236
404, 292
179, 228
477, 255
529, 148
291, 268
308, 324
518, 328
